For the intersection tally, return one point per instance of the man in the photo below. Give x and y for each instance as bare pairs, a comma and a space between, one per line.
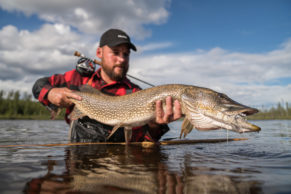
114, 52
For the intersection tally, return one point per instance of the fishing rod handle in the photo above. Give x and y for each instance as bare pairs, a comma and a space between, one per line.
78, 54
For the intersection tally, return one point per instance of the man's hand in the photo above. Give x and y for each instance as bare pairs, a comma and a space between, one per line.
60, 97
171, 112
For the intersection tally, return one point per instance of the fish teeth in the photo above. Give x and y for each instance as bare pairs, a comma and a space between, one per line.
240, 115
243, 114
237, 116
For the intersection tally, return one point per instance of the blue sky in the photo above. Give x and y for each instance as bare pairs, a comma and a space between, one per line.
20, 20
241, 48
247, 26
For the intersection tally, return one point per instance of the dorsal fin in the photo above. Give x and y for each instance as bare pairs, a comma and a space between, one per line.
89, 89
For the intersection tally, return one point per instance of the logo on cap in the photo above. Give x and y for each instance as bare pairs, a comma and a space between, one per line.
121, 36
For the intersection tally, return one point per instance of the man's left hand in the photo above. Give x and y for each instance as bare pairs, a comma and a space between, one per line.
171, 113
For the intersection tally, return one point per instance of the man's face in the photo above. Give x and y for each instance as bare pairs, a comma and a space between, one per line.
115, 61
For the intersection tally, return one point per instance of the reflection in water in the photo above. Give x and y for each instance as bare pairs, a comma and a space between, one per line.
130, 169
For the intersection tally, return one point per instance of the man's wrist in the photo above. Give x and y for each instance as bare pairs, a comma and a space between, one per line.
156, 130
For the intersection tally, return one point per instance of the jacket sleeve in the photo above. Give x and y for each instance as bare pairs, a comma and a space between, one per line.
42, 86
40, 90
156, 134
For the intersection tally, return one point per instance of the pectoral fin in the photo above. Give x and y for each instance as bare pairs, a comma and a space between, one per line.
114, 130
186, 128
55, 113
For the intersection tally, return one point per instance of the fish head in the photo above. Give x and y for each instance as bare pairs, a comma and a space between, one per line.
209, 110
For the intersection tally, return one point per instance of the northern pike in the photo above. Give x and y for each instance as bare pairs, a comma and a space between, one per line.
202, 108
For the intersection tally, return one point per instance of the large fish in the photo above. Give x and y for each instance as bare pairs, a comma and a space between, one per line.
203, 108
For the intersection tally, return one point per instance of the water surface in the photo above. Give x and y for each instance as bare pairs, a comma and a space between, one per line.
261, 164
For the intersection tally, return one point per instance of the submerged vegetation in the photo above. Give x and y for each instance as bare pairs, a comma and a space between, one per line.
14, 105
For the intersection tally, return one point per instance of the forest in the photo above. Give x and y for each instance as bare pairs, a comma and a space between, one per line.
14, 105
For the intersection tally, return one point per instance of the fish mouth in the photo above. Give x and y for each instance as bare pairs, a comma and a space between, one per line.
249, 111
217, 111
240, 123
234, 120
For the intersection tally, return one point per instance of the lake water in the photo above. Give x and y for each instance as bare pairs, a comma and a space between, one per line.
260, 164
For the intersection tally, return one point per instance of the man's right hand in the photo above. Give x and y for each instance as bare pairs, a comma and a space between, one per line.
60, 97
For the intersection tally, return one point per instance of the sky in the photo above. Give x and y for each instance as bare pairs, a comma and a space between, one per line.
238, 47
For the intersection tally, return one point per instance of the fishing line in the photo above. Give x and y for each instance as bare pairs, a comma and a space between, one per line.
227, 136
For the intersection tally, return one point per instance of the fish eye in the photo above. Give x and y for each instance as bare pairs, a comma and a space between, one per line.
220, 95
224, 98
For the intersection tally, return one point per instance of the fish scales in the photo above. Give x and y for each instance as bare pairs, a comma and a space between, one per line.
203, 108
127, 109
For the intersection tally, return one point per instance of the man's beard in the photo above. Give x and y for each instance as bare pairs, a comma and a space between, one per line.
115, 76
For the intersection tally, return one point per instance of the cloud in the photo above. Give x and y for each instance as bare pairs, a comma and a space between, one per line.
243, 76
48, 49
26, 56
96, 16
154, 46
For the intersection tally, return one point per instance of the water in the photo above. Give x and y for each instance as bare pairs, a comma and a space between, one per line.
261, 164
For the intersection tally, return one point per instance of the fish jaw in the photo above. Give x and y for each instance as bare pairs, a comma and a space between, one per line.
241, 124
251, 128
210, 110
212, 121
232, 120
235, 114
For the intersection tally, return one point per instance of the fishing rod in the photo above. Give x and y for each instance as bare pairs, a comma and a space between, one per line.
78, 54
144, 144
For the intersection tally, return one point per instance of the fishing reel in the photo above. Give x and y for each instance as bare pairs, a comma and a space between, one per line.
85, 66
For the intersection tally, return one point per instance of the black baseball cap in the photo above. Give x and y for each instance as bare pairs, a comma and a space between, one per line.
114, 37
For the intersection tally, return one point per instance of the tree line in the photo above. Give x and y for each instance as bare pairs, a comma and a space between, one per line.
14, 105
281, 111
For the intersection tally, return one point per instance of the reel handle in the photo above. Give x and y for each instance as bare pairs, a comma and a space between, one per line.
78, 54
